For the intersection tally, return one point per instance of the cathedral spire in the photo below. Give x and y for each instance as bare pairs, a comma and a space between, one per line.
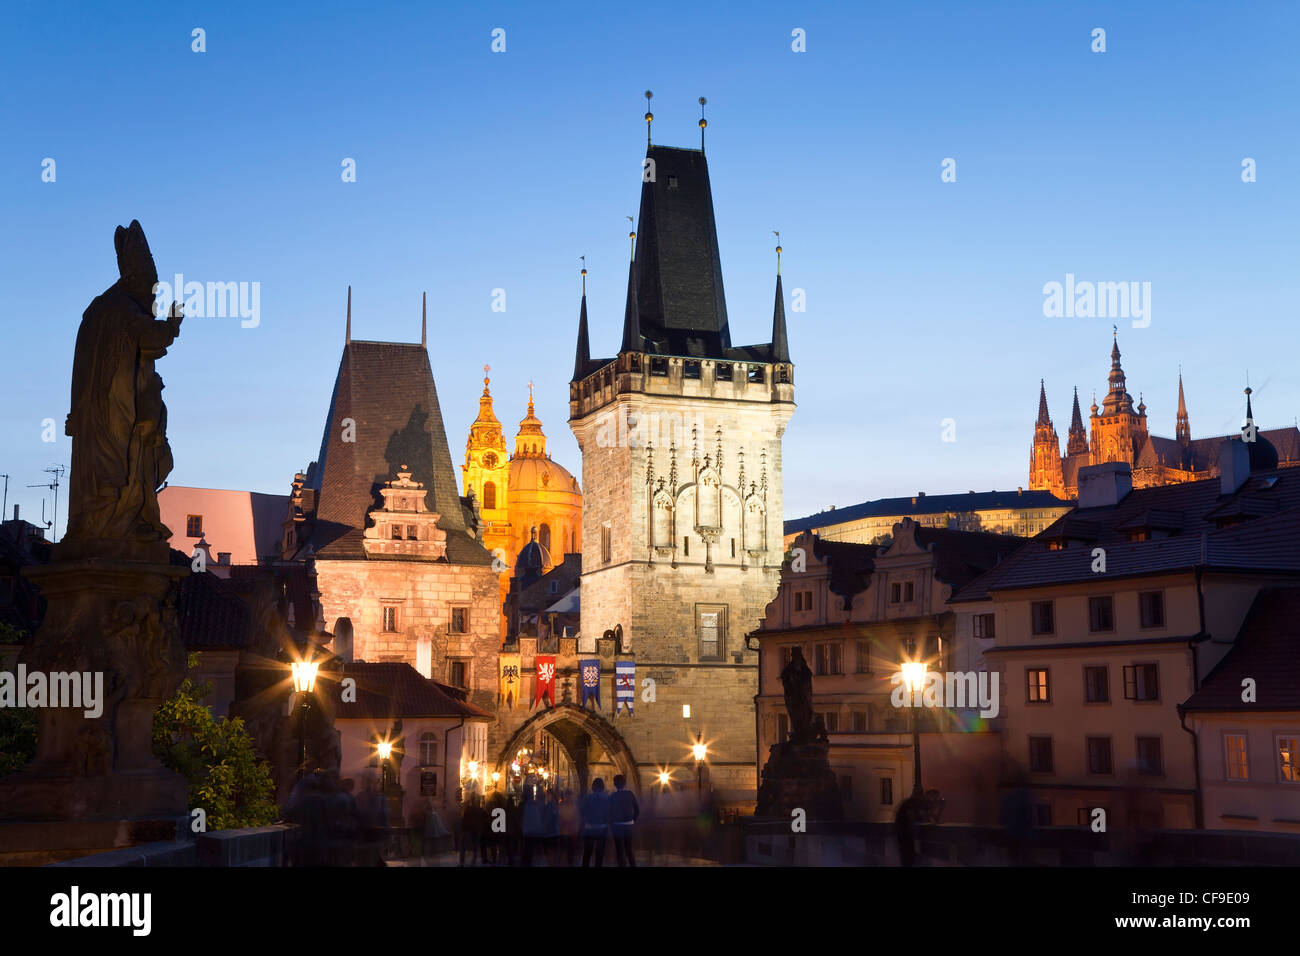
583, 356
780, 342
1118, 400
530, 442
1043, 417
1078, 437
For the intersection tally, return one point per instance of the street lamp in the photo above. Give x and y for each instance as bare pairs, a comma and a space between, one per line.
699, 751
914, 678
304, 683
385, 749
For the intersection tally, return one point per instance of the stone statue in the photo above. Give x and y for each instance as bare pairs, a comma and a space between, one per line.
796, 679
118, 422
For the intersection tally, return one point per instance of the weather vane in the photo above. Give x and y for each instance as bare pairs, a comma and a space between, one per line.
703, 123
649, 117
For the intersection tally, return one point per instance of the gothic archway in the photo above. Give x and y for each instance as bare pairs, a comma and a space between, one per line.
575, 729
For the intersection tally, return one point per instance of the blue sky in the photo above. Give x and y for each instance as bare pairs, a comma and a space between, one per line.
479, 170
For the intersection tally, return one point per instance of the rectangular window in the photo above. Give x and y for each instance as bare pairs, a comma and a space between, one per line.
658, 366
1236, 763
1038, 687
798, 600
733, 547
864, 657
831, 721
723, 372
1056, 544
691, 369
828, 659
886, 791
1101, 614
757, 374
397, 532
1040, 754
606, 544
1043, 617
390, 619
782, 728
1141, 682
428, 784
1152, 604
861, 723
457, 674
1096, 684
686, 546
984, 626
1288, 759
895, 593
907, 592
1099, 761
711, 626
410, 533
1150, 763
194, 526
460, 620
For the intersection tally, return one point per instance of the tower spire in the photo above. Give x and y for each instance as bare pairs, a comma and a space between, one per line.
424, 320
582, 357
631, 315
780, 341
1077, 441
1043, 417
1183, 429
347, 335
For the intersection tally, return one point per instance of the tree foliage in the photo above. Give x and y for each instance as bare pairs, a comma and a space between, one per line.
216, 755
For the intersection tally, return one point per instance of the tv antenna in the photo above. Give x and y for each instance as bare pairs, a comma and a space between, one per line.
5, 506
56, 472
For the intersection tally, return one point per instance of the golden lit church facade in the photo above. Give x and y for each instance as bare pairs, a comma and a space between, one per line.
1117, 431
520, 492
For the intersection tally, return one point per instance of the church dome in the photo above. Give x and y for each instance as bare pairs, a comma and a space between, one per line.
541, 474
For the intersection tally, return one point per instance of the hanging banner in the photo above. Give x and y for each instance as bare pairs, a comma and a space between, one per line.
590, 670
508, 692
544, 687
624, 685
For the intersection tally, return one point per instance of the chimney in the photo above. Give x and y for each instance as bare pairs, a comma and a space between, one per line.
15, 512
1234, 465
1105, 484
223, 557
1019, 490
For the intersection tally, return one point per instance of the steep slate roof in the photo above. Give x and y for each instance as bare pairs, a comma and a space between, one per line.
387, 389
1267, 649
1269, 542
210, 613
927, 505
962, 556
386, 690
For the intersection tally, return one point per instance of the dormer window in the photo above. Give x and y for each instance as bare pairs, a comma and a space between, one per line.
1056, 544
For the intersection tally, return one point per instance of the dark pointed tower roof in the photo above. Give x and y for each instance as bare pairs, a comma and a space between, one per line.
385, 398
582, 357
1118, 399
1183, 428
682, 309
1043, 417
632, 339
1262, 452
780, 342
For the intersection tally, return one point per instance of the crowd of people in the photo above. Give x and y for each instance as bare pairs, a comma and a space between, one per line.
547, 826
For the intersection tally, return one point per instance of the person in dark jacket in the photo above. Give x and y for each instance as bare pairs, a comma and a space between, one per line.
595, 823
623, 814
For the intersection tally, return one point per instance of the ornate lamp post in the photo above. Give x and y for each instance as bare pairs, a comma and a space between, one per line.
914, 678
700, 752
304, 684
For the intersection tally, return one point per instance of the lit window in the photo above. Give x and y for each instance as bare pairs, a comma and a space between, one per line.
194, 526
1038, 686
428, 750
1237, 764
1288, 759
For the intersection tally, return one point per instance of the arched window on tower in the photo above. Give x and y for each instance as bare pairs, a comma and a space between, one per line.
544, 538
490, 495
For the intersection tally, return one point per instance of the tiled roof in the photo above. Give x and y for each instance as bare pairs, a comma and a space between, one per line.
962, 556
387, 389
927, 505
386, 690
211, 614
1267, 650
1268, 542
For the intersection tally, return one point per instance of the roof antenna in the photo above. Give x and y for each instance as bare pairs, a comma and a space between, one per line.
703, 123
649, 117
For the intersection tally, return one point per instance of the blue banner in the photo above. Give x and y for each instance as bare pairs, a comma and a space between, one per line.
624, 685
590, 670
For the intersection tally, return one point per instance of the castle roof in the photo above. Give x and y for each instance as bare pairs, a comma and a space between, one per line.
928, 505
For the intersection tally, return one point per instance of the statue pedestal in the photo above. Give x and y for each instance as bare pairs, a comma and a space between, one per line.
94, 782
798, 776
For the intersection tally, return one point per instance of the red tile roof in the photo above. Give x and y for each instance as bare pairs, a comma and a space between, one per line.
386, 690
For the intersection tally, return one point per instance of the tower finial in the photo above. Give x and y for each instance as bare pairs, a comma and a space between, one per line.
347, 335
584, 275
424, 320
703, 123
486, 370
649, 117
777, 233
631, 237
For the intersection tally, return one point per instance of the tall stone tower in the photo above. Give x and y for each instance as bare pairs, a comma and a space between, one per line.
1045, 456
1120, 430
485, 474
680, 435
